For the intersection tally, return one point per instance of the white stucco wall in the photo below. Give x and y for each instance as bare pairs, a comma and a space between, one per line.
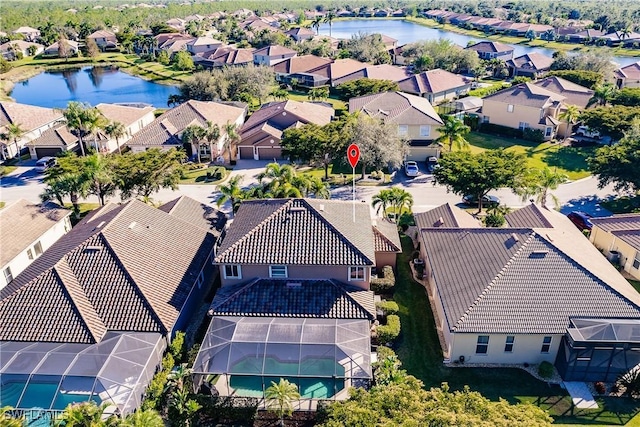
526, 348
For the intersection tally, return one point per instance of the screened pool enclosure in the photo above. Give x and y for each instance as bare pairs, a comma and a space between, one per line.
321, 356
50, 376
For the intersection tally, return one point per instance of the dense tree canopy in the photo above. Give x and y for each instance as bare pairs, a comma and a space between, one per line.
365, 86
610, 121
365, 47
229, 84
618, 164
442, 53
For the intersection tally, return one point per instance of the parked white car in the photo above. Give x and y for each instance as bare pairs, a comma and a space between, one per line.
411, 169
588, 133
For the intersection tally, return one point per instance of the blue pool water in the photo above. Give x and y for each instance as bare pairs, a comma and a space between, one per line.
309, 388
39, 395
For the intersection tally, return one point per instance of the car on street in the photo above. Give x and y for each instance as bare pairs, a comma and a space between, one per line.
585, 132
45, 163
580, 219
487, 200
411, 169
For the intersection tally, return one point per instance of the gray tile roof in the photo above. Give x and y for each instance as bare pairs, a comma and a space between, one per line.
125, 267
22, 223
618, 222
574, 94
432, 81
196, 213
294, 298
488, 46
29, 117
398, 107
531, 61
447, 216
58, 136
305, 112
526, 94
631, 237
386, 236
515, 281
530, 216
299, 231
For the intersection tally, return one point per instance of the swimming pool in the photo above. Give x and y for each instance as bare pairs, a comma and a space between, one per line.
39, 395
309, 388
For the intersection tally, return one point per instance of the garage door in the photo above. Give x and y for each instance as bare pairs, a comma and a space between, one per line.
269, 153
246, 153
43, 152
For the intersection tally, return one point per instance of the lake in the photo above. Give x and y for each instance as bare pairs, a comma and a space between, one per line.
93, 85
408, 32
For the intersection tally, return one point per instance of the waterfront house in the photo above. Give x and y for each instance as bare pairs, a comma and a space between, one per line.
532, 65
54, 49
376, 72
200, 45
300, 34
618, 236
29, 34
490, 50
34, 121
436, 85
11, 49
27, 231
225, 57
308, 71
271, 55
105, 40
628, 76
133, 117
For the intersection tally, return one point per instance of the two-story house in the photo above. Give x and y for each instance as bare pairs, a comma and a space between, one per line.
133, 117
618, 236
105, 40
306, 71
29, 34
490, 50
628, 76
532, 65
271, 55
200, 45
436, 85
416, 119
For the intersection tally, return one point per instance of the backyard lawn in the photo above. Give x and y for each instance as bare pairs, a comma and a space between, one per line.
570, 160
421, 356
302, 96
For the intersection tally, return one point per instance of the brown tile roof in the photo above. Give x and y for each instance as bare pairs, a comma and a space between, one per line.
274, 50
58, 136
375, 72
398, 107
531, 61
327, 299
124, 114
617, 222
517, 281
298, 232
445, 216
488, 46
22, 45
204, 41
342, 67
28, 117
300, 31
124, 267
304, 112
432, 81
631, 71
530, 216
102, 34
527, 94
573, 94
386, 236
230, 56
164, 130
304, 64
22, 223
196, 213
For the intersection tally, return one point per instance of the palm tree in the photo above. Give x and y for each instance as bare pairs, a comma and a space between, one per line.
317, 21
231, 191
194, 135
328, 18
211, 134
381, 201
99, 176
116, 130
316, 187
570, 115
280, 398
400, 199
539, 183
14, 133
8, 420
81, 119
86, 414
602, 94
453, 132
232, 138
277, 172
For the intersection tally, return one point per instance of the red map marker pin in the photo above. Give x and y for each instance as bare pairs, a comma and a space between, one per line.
353, 154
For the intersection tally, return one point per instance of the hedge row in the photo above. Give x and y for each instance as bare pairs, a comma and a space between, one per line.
388, 307
384, 284
389, 332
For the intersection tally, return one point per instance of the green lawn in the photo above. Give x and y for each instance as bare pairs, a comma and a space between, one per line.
6, 170
420, 353
199, 176
570, 160
300, 96
635, 284
85, 208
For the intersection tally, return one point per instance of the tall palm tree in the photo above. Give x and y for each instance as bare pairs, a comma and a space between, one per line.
82, 119
99, 176
570, 115
329, 18
211, 134
14, 133
317, 21
400, 199
453, 132
116, 130
280, 398
232, 139
602, 94
382, 201
194, 135
539, 182
232, 192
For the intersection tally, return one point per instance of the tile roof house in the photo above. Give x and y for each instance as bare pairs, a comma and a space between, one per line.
33, 120
225, 57
415, 117
203, 44
133, 118
165, 132
54, 49
436, 85
26, 231
510, 295
619, 237
535, 105
490, 50
271, 55
106, 40
197, 214
52, 142
29, 34
532, 65
300, 34
342, 67
10, 49
628, 76
308, 70
261, 134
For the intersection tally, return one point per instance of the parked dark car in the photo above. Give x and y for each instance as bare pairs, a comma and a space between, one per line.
582, 220
487, 200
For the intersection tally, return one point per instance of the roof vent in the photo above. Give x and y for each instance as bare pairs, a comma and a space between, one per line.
538, 254
294, 285
514, 236
321, 208
93, 248
101, 224
298, 209
439, 222
133, 224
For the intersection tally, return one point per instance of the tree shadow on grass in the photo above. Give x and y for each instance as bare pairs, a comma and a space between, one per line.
573, 159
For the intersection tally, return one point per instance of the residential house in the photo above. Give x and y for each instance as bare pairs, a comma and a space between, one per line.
628, 76
532, 65
13, 48
300, 34
375, 72
200, 45
389, 42
29, 34
343, 67
225, 57
97, 309
535, 105
27, 231
490, 50
105, 40
34, 121
52, 142
619, 237
54, 49
176, 23
334, 43
174, 44
436, 85
133, 118
261, 134
308, 71
416, 119
585, 36
397, 57
508, 296
165, 132
271, 55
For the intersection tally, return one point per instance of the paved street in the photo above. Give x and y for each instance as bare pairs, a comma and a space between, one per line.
578, 195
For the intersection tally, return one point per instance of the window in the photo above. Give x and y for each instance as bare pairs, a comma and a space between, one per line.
508, 344
425, 130
636, 261
546, 345
523, 125
37, 248
485, 119
356, 273
548, 131
510, 108
232, 271
483, 344
403, 130
278, 271
29, 254
7, 274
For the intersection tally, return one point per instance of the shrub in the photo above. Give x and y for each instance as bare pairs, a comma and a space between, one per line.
631, 383
374, 175
600, 387
153, 397
389, 332
384, 352
545, 370
534, 135
388, 307
494, 219
384, 284
168, 362
481, 92
494, 129
176, 348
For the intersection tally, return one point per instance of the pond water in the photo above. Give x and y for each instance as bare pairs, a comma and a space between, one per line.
408, 32
93, 85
